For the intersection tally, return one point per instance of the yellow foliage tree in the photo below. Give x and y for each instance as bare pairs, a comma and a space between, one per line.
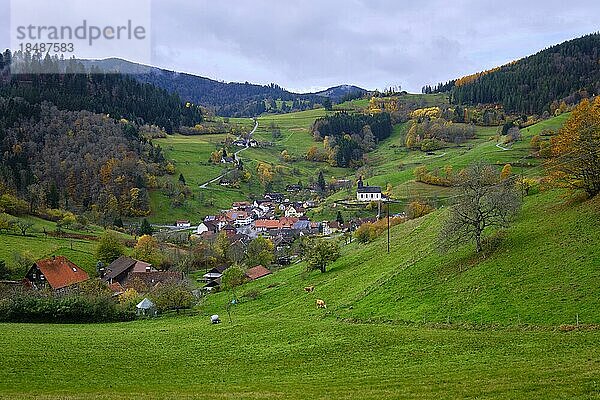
575, 159
147, 250
265, 173
506, 172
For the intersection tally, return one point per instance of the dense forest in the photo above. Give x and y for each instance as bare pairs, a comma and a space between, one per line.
75, 160
71, 140
566, 72
71, 88
347, 137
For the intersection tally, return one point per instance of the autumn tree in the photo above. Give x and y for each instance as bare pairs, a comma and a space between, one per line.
575, 159
265, 173
484, 201
261, 251
221, 247
110, 247
147, 250
506, 172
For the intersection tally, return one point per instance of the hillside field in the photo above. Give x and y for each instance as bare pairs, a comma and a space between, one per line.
412, 324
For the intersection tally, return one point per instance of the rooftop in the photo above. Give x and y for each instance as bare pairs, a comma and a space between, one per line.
60, 272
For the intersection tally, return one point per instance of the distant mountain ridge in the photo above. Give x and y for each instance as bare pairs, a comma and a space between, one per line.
227, 99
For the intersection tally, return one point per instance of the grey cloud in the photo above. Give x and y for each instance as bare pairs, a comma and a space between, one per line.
371, 43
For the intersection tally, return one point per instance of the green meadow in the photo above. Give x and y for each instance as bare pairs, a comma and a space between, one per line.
411, 324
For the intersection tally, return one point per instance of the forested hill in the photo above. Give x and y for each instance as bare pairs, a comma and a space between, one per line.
71, 140
226, 99
72, 88
537, 83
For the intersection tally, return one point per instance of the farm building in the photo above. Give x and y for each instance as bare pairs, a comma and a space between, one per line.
57, 273
257, 273
120, 269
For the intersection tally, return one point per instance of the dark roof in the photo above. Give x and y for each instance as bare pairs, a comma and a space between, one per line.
257, 272
152, 278
212, 284
369, 189
60, 272
119, 266
220, 269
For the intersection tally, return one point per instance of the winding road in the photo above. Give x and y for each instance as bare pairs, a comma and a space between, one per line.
218, 178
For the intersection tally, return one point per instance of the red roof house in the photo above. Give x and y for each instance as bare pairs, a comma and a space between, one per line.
56, 272
257, 273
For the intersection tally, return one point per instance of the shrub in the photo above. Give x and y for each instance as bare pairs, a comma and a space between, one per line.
70, 308
417, 209
172, 296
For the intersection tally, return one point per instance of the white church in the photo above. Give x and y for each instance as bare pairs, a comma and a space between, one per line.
368, 193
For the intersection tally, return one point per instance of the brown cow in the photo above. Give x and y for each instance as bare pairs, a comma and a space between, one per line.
321, 304
309, 289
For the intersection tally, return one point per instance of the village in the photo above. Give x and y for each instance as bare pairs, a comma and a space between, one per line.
275, 217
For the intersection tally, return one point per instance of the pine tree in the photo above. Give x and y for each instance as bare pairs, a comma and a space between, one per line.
321, 181
146, 228
339, 218
53, 197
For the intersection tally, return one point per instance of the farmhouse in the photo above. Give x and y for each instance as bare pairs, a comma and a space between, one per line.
120, 270
154, 278
368, 193
294, 212
213, 277
207, 226
57, 273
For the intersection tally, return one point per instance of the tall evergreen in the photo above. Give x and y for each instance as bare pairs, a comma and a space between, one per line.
146, 228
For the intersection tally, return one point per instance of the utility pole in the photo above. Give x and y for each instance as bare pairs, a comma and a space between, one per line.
388, 227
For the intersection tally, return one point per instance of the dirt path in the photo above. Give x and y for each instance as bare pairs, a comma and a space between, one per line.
218, 178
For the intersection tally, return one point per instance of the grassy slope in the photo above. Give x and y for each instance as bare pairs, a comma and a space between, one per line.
190, 156
39, 245
281, 346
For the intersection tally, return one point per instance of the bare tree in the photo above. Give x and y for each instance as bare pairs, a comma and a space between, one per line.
484, 201
23, 226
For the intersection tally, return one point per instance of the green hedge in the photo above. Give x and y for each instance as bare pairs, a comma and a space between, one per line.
76, 308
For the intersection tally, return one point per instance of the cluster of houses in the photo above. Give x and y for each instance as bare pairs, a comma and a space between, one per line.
276, 216
212, 278
60, 274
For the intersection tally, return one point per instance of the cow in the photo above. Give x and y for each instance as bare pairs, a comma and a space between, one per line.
321, 304
309, 289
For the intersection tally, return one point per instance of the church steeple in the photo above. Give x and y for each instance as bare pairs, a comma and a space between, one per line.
360, 183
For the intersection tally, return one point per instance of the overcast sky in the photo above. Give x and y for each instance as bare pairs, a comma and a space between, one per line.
313, 44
